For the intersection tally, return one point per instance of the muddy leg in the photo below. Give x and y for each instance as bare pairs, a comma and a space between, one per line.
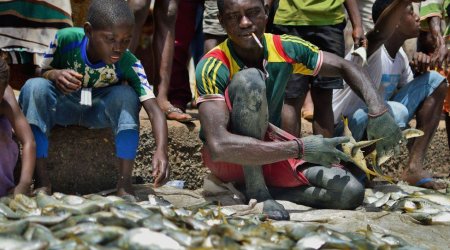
249, 117
332, 188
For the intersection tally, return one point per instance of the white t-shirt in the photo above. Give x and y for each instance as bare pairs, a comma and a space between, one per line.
392, 73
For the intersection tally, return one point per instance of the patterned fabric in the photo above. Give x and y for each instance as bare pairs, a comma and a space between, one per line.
68, 51
8, 156
29, 25
283, 55
309, 12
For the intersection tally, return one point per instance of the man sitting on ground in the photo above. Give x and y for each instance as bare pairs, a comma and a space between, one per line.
241, 86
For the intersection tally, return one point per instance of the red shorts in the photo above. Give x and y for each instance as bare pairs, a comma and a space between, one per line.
278, 174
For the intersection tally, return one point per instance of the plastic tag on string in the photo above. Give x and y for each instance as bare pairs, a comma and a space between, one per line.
86, 97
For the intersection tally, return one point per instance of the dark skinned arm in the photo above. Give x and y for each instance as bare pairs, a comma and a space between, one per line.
440, 54
385, 25
159, 127
355, 77
22, 129
228, 147
359, 38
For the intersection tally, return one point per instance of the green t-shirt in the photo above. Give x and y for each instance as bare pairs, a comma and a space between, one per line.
283, 55
309, 12
68, 51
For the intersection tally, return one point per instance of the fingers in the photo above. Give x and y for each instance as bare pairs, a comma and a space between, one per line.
68, 81
160, 172
339, 140
343, 156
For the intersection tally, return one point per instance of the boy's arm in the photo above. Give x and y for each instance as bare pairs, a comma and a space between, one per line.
160, 164
385, 25
359, 38
23, 132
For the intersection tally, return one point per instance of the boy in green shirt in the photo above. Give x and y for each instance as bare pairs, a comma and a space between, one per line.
83, 83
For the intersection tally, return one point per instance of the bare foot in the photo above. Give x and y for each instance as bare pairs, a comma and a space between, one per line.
275, 210
422, 178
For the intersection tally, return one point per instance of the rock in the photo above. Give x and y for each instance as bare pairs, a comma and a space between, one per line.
82, 160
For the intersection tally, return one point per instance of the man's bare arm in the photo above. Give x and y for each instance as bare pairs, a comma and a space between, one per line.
356, 77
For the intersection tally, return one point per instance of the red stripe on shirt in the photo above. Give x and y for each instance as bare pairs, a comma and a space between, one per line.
220, 55
280, 50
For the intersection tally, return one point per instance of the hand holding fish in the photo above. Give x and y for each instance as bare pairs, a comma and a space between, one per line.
323, 151
383, 126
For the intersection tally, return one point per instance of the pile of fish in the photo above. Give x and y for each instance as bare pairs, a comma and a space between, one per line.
97, 222
426, 207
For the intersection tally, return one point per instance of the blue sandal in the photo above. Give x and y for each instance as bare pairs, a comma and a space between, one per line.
424, 181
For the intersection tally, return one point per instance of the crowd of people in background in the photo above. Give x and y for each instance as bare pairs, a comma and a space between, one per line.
260, 66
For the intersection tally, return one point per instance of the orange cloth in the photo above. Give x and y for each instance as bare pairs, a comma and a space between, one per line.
446, 107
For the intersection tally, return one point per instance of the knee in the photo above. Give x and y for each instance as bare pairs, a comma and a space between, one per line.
124, 94
352, 195
35, 88
248, 80
138, 5
400, 113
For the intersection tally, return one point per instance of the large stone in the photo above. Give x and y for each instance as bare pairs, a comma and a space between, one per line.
82, 160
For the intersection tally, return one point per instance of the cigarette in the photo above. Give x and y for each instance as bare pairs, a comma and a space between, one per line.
257, 40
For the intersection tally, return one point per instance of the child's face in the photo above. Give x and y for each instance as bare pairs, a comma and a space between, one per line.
409, 23
108, 44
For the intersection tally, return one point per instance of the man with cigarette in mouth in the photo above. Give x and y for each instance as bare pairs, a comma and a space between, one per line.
241, 86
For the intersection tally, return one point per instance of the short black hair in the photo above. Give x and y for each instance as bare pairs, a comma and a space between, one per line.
378, 7
220, 5
106, 13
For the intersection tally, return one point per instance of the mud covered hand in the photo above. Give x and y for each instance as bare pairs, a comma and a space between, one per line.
319, 150
384, 126
22, 188
161, 168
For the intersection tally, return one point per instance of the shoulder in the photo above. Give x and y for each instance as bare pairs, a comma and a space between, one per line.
128, 60
72, 33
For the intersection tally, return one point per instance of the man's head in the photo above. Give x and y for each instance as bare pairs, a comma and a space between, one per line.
4, 77
109, 28
408, 25
241, 18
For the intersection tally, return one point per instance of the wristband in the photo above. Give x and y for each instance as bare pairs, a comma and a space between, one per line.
301, 148
379, 114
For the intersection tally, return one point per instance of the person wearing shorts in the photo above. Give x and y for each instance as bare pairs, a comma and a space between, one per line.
321, 23
240, 88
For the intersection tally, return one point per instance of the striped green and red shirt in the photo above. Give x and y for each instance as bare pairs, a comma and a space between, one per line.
283, 55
